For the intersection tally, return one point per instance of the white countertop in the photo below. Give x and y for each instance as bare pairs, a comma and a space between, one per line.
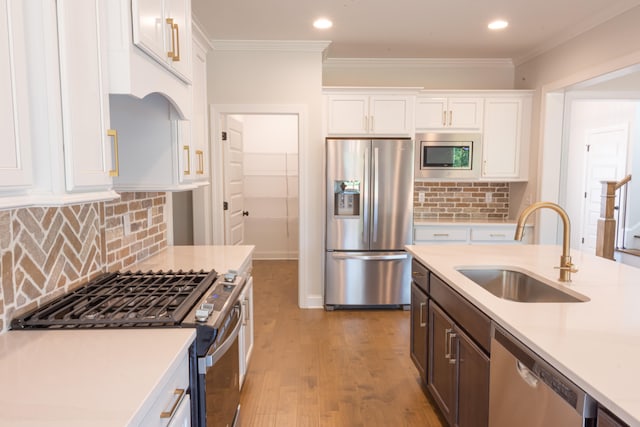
100, 378
80, 378
467, 222
220, 258
595, 343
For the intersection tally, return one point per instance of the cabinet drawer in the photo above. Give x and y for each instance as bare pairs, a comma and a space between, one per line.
172, 392
447, 234
472, 320
420, 275
493, 234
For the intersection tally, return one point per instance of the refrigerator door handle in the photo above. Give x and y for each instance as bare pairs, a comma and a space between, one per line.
366, 203
374, 180
368, 257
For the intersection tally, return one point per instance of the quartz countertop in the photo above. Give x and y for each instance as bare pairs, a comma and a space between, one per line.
80, 378
100, 378
596, 343
469, 221
221, 258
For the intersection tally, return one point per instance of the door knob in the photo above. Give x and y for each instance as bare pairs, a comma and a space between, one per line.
245, 213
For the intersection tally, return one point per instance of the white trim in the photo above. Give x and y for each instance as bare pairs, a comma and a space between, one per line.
304, 262
200, 35
418, 63
270, 45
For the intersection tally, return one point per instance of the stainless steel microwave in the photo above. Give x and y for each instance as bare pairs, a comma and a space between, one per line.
448, 155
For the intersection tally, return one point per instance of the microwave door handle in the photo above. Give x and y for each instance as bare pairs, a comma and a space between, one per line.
375, 201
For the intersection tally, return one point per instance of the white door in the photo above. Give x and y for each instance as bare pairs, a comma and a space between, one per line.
606, 159
234, 183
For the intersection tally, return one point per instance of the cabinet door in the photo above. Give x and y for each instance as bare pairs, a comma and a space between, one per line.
246, 330
465, 113
390, 115
182, 415
178, 37
15, 161
149, 27
85, 94
419, 317
441, 370
347, 114
431, 113
199, 131
472, 408
502, 137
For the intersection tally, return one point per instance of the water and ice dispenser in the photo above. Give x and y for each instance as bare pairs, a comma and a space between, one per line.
346, 200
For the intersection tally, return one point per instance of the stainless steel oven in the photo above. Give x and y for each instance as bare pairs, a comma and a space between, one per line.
219, 374
202, 300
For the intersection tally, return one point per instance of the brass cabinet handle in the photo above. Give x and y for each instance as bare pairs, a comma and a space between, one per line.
450, 117
187, 160
112, 133
179, 392
174, 54
200, 157
444, 118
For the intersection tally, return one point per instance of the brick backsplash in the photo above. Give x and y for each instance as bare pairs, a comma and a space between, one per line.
461, 200
47, 251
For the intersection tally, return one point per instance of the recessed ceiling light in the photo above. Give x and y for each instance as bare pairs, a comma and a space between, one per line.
322, 23
498, 24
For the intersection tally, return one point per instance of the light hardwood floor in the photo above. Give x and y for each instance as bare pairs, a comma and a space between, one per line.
317, 368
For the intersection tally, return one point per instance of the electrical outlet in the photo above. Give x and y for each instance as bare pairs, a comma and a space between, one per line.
421, 196
488, 197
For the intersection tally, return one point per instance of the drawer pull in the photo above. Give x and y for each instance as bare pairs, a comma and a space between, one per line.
497, 235
441, 234
179, 394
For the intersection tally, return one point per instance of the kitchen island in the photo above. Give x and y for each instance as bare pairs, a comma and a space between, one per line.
594, 343
103, 377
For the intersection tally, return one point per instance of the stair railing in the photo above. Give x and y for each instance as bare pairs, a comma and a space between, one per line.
607, 232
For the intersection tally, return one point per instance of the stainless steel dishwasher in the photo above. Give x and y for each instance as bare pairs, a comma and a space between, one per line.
526, 391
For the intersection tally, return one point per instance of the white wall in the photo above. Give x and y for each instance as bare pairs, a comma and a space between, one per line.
280, 80
605, 48
427, 73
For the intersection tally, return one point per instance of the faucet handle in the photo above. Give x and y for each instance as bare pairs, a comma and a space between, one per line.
569, 267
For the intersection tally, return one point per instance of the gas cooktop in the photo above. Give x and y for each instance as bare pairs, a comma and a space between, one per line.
130, 299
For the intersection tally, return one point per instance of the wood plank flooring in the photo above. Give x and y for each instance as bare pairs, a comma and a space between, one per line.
316, 368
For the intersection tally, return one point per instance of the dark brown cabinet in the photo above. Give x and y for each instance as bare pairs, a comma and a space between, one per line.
458, 372
419, 317
606, 419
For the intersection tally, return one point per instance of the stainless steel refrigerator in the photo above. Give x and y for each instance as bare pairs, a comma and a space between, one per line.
369, 219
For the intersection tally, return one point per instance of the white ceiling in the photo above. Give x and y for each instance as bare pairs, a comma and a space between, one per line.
410, 28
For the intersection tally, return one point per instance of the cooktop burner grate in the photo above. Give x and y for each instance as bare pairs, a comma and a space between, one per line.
127, 299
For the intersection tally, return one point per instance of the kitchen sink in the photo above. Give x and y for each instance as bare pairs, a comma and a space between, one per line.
518, 286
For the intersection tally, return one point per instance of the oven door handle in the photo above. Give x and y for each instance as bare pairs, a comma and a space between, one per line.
211, 358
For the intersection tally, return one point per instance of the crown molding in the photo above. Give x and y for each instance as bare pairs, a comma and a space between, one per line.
270, 45
418, 63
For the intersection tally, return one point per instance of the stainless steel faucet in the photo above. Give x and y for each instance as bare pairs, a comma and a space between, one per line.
566, 267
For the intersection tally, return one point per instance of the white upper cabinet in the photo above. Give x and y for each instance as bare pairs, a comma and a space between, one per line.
444, 112
150, 50
369, 113
15, 144
162, 28
505, 144
88, 144
199, 149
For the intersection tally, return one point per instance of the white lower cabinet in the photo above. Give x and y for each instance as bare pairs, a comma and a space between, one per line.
246, 330
171, 407
469, 234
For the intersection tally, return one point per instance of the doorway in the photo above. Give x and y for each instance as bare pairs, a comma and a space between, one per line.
261, 184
